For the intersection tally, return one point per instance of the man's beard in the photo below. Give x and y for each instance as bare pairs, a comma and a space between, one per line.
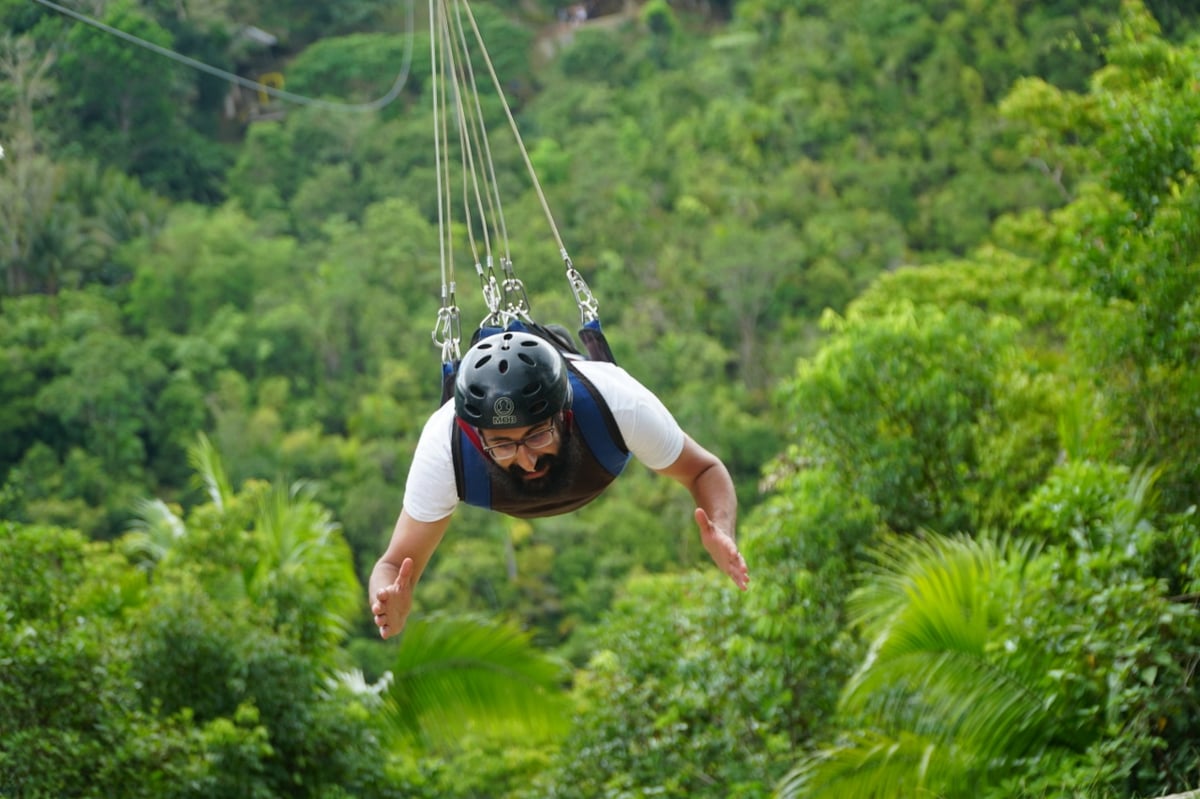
560, 470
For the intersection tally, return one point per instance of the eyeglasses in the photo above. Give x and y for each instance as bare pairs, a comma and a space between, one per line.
537, 440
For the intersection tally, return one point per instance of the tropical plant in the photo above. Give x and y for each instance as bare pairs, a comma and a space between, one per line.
456, 676
934, 708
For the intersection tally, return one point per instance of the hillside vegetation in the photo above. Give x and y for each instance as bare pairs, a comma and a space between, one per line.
924, 274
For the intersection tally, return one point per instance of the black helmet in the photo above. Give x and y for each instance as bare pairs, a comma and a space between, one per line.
511, 379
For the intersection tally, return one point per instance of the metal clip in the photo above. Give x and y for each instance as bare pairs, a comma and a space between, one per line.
589, 309
447, 332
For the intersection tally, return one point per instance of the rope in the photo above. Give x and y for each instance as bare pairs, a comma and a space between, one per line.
506, 298
279, 94
447, 330
584, 299
516, 132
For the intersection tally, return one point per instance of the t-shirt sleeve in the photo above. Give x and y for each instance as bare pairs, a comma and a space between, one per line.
650, 431
430, 492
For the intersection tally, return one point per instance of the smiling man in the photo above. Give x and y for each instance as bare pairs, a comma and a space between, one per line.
530, 433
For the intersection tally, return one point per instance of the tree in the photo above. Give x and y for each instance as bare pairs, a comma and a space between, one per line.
262, 556
133, 125
1128, 240
896, 406
38, 231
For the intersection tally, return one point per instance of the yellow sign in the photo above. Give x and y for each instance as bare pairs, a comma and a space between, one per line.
272, 80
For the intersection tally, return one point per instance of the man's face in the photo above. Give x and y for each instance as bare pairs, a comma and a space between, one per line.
542, 462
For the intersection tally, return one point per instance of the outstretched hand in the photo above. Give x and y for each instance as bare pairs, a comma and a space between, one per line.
394, 602
723, 550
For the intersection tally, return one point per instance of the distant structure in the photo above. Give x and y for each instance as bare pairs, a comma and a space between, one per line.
573, 15
254, 48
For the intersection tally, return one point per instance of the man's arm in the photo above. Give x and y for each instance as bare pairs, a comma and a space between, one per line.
706, 478
396, 573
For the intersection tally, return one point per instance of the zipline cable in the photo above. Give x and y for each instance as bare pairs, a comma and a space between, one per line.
473, 141
279, 94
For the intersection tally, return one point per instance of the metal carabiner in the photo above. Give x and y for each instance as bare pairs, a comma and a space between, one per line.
447, 331
589, 308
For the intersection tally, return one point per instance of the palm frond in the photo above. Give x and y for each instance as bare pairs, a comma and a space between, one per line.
932, 688
152, 532
210, 471
458, 675
953, 696
938, 583
870, 765
302, 554
1137, 505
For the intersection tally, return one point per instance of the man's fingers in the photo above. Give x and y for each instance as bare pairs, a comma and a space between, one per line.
727, 556
404, 575
400, 589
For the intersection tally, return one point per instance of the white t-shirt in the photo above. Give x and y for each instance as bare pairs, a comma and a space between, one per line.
649, 430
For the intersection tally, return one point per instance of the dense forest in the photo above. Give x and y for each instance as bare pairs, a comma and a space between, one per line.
925, 275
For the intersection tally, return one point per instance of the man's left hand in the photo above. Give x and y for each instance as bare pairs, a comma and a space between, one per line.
723, 550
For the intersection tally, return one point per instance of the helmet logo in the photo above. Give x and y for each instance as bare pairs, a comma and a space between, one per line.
502, 412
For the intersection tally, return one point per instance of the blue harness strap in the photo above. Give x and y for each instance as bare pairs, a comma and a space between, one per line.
595, 343
593, 423
477, 488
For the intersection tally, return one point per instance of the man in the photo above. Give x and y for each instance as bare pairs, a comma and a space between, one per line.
531, 433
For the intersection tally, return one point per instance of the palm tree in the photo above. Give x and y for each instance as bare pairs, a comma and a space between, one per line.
302, 567
934, 710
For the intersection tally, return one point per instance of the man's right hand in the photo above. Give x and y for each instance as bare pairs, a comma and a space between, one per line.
393, 602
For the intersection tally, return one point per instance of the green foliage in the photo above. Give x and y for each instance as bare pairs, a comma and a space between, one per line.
1124, 643
1032, 371
203, 263
450, 670
1128, 238
594, 55
132, 125
270, 720
894, 404
804, 541
674, 687
193, 687
300, 23
1020, 672
480, 767
70, 723
359, 68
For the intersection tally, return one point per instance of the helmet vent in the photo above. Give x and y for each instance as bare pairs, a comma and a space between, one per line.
526, 358
532, 389
482, 361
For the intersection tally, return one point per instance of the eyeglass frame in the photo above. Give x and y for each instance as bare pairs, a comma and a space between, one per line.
523, 442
